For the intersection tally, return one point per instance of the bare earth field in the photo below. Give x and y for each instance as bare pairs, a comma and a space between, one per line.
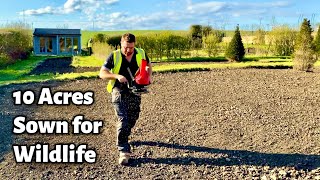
224, 124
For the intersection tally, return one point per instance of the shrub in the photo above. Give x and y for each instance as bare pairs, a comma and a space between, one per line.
260, 36
210, 44
219, 34
147, 42
15, 44
4, 60
101, 50
162, 44
114, 41
304, 59
206, 30
100, 38
282, 38
235, 50
183, 44
304, 55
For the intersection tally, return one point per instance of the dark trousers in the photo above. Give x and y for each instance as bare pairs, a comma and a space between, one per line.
90, 50
127, 109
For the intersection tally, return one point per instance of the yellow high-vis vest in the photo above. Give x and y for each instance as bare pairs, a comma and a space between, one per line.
117, 61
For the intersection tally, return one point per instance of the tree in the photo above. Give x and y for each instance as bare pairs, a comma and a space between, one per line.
114, 41
210, 44
260, 41
282, 39
260, 36
196, 34
147, 42
100, 37
196, 31
235, 50
219, 34
206, 30
304, 54
317, 42
183, 44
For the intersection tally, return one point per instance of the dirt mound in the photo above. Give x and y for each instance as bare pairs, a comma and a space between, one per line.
224, 124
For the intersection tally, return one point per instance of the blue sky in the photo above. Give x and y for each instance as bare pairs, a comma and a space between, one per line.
157, 14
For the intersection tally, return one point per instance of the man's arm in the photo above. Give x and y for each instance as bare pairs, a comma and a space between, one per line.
106, 74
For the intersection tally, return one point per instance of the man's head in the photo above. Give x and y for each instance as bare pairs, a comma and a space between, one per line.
127, 44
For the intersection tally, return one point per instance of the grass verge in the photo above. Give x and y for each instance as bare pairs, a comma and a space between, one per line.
17, 73
19, 69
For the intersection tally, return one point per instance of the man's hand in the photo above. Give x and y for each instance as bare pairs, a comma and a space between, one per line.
121, 79
106, 74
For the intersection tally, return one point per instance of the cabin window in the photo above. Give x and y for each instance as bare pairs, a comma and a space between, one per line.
62, 44
49, 45
69, 44
45, 44
75, 45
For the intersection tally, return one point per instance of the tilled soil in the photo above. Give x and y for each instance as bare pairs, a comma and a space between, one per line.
224, 124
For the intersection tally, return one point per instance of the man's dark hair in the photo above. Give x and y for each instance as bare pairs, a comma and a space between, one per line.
128, 37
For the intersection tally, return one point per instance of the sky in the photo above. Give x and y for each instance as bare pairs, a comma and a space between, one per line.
113, 15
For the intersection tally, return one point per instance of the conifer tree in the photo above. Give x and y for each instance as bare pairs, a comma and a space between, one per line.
304, 54
317, 42
196, 34
235, 50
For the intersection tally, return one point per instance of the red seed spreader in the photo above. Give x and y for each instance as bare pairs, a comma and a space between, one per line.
139, 83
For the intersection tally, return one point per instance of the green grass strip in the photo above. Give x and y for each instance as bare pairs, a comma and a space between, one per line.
17, 73
86, 61
20, 68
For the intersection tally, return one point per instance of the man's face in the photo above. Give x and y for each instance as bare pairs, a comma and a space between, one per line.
127, 48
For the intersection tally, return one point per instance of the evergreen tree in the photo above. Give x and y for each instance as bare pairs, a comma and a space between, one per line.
196, 34
317, 42
235, 50
304, 54
196, 31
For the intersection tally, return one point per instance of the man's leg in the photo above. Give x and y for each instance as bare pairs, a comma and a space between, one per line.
120, 103
133, 110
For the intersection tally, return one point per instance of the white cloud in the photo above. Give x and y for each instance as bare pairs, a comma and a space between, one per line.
280, 4
70, 6
40, 11
111, 1
218, 12
115, 15
179, 15
213, 6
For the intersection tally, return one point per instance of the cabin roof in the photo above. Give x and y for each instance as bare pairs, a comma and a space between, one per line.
47, 31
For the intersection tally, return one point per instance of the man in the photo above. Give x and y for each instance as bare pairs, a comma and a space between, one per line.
90, 46
126, 103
